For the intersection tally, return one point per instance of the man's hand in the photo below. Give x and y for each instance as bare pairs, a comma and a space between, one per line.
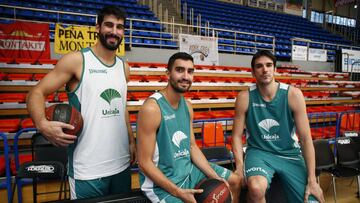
314, 189
53, 131
132, 150
187, 195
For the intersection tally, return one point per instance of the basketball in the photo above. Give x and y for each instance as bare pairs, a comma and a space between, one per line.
214, 191
66, 114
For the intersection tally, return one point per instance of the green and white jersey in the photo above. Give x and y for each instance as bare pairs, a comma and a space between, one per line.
102, 149
172, 148
270, 125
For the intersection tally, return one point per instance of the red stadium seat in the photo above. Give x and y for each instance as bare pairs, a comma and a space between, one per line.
62, 97
27, 123
22, 159
350, 122
323, 132
20, 76
213, 134
3, 76
12, 97
9, 125
147, 65
133, 118
136, 96
137, 78
2, 165
39, 76
48, 61
222, 114
202, 115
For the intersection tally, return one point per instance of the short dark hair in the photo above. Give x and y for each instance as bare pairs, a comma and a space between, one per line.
179, 55
118, 12
261, 53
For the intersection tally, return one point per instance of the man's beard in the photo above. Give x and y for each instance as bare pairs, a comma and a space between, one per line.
178, 89
103, 41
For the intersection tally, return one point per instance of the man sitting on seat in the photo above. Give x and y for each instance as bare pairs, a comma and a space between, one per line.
273, 112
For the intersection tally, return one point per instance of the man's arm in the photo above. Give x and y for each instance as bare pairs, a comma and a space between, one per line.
298, 107
149, 119
197, 156
63, 72
241, 106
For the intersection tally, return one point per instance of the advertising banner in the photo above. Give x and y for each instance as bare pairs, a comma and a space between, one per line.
25, 40
317, 55
350, 60
204, 50
299, 53
74, 38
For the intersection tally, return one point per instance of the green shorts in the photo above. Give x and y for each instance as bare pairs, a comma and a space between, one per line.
190, 182
291, 171
115, 184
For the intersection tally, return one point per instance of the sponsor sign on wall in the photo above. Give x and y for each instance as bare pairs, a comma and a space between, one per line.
204, 50
317, 54
299, 53
74, 38
350, 59
24, 40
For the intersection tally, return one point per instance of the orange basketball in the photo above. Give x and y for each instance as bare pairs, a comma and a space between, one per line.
66, 114
214, 191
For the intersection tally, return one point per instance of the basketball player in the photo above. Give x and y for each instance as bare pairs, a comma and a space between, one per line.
95, 78
272, 113
171, 163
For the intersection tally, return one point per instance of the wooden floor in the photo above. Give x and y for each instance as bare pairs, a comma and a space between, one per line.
346, 190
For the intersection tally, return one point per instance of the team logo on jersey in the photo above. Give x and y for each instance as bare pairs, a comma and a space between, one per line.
108, 95
178, 136
267, 124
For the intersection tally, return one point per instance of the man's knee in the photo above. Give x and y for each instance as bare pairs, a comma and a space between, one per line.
234, 182
257, 187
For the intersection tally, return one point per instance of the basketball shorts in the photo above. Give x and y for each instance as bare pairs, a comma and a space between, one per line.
291, 171
115, 184
190, 182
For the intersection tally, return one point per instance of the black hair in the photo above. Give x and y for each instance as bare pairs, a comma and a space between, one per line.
179, 55
261, 53
118, 12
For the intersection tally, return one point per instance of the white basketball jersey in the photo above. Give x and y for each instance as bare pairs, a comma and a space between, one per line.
102, 149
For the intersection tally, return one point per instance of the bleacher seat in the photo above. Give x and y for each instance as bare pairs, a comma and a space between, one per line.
9, 125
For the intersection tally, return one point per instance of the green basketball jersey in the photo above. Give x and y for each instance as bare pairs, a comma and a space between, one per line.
172, 149
270, 125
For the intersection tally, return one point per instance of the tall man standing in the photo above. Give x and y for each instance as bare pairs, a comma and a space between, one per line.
99, 159
273, 112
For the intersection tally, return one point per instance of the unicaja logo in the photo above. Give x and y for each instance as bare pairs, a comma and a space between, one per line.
108, 95
267, 124
178, 136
